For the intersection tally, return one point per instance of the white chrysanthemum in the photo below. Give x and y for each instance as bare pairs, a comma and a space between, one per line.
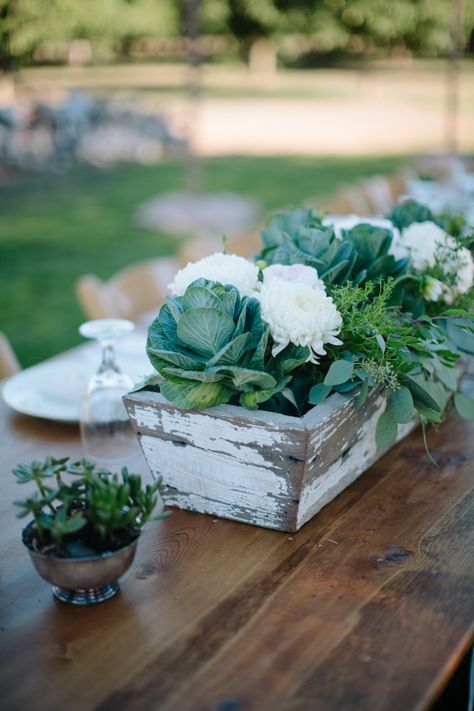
420, 241
423, 242
462, 267
347, 222
293, 272
223, 268
464, 270
301, 314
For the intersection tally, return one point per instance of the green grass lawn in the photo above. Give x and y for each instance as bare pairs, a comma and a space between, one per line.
55, 228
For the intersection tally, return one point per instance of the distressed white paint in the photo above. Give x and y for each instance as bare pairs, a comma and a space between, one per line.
212, 434
258, 467
214, 474
345, 470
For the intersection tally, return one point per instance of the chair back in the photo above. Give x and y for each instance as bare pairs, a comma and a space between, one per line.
130, 293
9, 364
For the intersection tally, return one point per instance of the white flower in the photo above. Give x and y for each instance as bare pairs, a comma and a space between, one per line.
347, 222
426, 243
433, 289
223, 268
464, 270
301, 314
421, 240
462, 267
294, 273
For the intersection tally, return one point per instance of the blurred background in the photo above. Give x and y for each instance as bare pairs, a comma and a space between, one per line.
132, 130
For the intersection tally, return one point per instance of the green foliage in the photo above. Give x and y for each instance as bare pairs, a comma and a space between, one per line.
464, 406
93, 511
410, 361
27, 24
406, 213
211, 347
299, 237
339, 372
353, 26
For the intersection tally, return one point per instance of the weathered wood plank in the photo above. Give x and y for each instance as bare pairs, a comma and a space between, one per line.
259, 467
223, 485
341, 447
226, 461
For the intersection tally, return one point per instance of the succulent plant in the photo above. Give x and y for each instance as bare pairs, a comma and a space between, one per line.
90, 511
300, 237
210, 346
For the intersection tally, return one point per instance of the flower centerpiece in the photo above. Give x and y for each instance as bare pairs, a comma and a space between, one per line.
352, 324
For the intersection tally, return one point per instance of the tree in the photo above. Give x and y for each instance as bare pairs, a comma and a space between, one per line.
27, 24
355, 26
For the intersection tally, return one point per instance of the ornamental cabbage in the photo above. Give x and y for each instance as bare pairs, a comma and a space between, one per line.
211, 347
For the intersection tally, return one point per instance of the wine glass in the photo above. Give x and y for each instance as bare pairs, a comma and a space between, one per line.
106, 432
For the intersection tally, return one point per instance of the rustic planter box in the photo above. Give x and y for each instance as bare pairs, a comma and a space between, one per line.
257, 467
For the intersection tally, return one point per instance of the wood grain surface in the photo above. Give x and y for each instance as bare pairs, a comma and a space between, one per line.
369, 607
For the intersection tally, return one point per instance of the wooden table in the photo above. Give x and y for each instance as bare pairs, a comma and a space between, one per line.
370, 606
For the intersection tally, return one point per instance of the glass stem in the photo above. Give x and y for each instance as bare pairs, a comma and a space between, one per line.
108, 358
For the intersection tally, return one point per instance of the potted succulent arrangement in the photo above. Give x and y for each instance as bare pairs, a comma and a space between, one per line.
280, 380
85, 527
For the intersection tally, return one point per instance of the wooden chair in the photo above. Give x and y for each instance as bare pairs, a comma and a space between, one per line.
130, 293
9, 364
349, 200
377, 193
400, 180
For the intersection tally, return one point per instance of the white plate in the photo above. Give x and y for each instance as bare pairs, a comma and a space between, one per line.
54, 389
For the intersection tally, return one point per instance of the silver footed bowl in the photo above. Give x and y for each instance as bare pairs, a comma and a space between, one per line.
83, 581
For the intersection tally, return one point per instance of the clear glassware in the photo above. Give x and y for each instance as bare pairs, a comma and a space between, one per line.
106, 432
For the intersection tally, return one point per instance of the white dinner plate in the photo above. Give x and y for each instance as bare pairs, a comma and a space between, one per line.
54, 388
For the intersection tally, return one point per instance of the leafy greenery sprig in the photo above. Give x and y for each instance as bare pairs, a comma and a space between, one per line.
90, 511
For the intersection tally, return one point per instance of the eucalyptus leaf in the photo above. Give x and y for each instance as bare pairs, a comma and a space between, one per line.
386, 429
362, 394
420, 394
464, 405
339, 372
319, 393
401, 405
